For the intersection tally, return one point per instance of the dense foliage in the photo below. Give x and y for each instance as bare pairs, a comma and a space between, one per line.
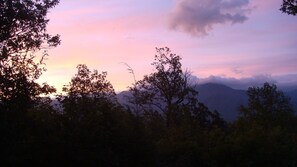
289, 7
165, 125
168, 92
23, 33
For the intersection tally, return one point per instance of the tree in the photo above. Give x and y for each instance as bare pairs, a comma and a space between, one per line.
289, 7
165, 88
89, 99
267, 106
87, 91
18, 87
89, 84
265, 133
168, 91
23, 26
98, 130
22, 34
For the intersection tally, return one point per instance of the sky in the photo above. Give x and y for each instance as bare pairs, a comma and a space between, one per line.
240, 43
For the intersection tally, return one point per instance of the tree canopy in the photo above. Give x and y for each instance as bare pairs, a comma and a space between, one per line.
23, 27
289, 7
22, 34
167, 87
267, 106
87, 92
89, 84
168, 92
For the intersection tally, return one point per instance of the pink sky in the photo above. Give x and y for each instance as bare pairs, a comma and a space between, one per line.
103, 34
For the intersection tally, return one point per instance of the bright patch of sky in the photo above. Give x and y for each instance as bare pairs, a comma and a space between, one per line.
237, 39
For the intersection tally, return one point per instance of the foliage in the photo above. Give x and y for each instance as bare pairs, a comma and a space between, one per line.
22, 34
175, 121
289, 7
87, 91
92, 129
23, 26
265, 133
267, 106
168, 92
89, 84
165, 88
18, 86
94, 123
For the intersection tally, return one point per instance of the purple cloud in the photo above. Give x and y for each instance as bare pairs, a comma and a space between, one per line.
285, 82
241, 83
197, 17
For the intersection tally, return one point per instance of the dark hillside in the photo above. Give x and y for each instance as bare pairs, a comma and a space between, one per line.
222, 98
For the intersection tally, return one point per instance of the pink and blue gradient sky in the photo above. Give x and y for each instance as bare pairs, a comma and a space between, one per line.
228, 41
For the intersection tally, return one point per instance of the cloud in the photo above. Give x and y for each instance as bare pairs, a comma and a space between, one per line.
197, 17
241, 83
236, 83
285, 82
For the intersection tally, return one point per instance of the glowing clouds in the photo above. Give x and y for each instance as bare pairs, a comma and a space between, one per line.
197, 17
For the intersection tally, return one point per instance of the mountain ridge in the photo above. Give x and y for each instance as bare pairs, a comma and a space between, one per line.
219, 97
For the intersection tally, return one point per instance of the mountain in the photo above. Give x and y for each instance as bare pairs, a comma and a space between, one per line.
293, 97
222, 98
219, 97
123, 97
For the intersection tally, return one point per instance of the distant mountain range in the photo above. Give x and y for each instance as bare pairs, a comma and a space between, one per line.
221, 98
293, 96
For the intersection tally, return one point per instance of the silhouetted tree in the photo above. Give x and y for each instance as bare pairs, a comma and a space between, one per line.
265, 133
267, 106
23, 26
25, 136
97, 130
166, 88
176, 123
89, 97
168, 91
89, 84
22, 34
87, 89
18, 87
289, 7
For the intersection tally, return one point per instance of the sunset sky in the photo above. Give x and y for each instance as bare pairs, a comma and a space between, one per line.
237, 42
